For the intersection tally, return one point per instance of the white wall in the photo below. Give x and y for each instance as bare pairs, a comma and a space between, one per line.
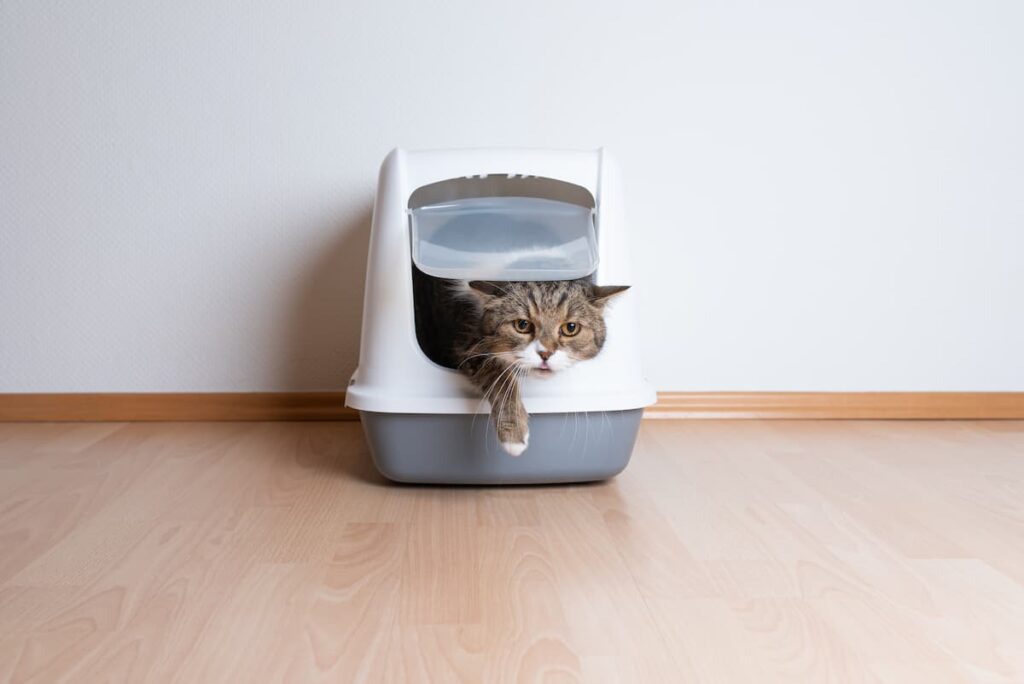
825, 196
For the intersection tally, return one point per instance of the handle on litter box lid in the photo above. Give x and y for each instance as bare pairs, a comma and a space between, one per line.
581, 167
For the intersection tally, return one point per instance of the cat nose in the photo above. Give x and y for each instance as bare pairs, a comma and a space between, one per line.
544, 355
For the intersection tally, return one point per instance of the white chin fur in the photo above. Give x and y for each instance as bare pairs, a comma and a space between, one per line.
559, 360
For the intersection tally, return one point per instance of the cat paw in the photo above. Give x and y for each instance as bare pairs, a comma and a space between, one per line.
516, 448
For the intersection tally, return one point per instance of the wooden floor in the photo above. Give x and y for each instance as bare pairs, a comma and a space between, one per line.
727, 552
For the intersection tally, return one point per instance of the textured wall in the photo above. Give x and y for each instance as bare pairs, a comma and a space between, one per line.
824, 197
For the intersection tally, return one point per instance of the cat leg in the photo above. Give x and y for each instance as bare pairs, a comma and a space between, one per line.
511, 420
499, 383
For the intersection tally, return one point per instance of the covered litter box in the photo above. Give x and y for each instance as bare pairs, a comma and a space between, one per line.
500, 215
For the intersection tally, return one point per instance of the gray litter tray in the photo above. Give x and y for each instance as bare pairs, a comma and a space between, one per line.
446, 448
502, 215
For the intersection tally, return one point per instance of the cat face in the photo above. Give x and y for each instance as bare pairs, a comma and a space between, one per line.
543, 326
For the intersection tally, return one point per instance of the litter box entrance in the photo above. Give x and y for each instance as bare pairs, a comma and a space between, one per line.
440, 318
495, 227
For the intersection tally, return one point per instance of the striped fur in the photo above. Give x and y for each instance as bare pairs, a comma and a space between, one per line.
496, 352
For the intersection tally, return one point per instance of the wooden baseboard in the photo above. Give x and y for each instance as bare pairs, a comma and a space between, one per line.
331, 405
201, 406
840, 405
243, 406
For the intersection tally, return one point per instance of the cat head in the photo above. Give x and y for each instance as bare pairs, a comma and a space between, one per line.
544, 326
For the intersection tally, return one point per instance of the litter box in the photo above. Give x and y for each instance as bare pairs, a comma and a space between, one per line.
498, 215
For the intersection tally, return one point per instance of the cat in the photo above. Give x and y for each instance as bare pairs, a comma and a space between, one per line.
511, 329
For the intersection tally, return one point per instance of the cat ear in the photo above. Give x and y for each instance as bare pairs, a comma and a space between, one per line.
484, 287
482, 290
600, 294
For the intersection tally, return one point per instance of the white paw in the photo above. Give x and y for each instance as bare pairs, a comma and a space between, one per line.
516, 448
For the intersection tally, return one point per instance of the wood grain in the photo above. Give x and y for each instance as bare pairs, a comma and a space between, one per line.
840, 405
728, 551
242, 406
190, 406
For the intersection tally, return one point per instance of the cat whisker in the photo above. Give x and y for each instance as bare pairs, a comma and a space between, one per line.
575, 428
509, 368
514, 387
506, 388
498, 401
482, 354
510, 386
487, 396
586, 433
494, 391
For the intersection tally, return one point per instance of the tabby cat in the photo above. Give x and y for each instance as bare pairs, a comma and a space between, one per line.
511, 329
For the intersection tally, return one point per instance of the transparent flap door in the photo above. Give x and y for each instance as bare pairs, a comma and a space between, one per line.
504, 238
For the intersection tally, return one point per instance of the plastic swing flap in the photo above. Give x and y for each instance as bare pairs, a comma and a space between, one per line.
505, 239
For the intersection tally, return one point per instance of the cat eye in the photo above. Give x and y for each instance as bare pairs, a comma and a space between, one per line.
523, 325
570, 329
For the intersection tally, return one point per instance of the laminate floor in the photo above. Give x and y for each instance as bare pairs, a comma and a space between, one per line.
741, 551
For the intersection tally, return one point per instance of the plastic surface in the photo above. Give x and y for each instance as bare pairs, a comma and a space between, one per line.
395, 376
504, 238
458, 449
